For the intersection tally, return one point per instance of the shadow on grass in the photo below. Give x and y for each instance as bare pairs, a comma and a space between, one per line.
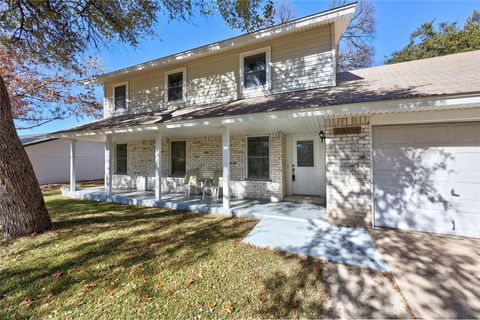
91, 242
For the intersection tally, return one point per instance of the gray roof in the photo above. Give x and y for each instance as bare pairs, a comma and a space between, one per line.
31, 139
434, 77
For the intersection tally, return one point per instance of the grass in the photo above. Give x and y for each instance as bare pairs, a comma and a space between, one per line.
109, 261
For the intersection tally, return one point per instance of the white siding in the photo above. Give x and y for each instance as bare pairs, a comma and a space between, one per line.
51, 160
300, 61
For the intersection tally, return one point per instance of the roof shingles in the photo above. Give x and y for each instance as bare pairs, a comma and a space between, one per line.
447, 75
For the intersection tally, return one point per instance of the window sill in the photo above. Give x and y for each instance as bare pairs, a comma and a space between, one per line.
259, 179
255, 91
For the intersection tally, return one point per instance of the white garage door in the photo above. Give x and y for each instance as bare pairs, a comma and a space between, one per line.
427, 177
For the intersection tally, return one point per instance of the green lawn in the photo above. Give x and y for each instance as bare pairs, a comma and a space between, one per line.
109, 261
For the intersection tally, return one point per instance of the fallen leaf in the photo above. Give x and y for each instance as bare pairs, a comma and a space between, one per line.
228, 307
57, 275
212, 306
88, 286
27, 302
147, 298
50, 294
189, 281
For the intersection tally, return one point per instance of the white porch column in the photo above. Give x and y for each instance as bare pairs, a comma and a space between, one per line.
226, 167
73, 181
108, 165
158, 167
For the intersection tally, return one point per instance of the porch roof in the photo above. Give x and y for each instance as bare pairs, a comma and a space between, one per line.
457, 74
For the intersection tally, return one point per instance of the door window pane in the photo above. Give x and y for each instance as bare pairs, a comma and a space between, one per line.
175, 86
255, 70
120, 97
258, 162
178, 158
305, 154
121, 159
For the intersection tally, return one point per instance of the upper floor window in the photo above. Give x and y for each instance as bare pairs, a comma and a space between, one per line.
175, 85
120, 96
255, 71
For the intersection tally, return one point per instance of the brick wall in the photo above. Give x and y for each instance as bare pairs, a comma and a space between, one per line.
348, 172
205, 154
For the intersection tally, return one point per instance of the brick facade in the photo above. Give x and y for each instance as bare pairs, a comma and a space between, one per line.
348, 172
348, 176
205, 154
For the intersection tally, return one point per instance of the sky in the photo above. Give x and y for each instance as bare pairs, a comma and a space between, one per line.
396, 20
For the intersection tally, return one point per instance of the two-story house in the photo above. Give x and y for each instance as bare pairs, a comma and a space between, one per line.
395, 145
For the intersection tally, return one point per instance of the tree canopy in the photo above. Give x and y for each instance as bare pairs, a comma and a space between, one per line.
356, 49
431, 40
40, 94
40, 38
44, 45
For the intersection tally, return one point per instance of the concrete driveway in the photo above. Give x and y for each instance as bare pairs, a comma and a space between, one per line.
319, 239
438, 275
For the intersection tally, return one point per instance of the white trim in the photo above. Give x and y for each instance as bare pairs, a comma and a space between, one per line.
183, 70
73, 179
260, 90
158, 167
127, 95
108, 165
104, 101
226, 168
417, 106
269, 135
437, 116
372, 196
341, 16
333, 49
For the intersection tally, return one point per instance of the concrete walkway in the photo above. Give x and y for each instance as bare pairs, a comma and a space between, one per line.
317, 238
293, 227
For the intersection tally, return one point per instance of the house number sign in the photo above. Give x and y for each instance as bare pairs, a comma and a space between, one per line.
347, 130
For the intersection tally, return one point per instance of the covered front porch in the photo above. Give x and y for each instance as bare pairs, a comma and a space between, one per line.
212, 147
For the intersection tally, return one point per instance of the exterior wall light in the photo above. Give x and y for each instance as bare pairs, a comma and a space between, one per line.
322, 136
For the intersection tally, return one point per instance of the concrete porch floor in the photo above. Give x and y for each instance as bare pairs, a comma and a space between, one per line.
300, 228
248, 208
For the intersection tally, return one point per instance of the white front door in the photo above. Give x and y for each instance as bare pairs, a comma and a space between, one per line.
308, 165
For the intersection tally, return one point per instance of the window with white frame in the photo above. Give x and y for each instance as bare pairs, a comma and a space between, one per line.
258, 157
175, 85
120, 96
255, 70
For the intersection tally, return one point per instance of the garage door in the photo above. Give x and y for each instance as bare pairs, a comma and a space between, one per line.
427, 177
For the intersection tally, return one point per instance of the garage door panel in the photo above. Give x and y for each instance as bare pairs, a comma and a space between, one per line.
466, 224
391, 136
400, 192
465, 133
435, 161
414, 180
421, 220
428, 135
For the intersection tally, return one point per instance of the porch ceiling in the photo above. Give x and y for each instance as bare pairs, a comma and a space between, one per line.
302, 122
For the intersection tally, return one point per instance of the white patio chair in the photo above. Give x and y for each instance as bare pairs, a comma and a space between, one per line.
191, 182
214, 186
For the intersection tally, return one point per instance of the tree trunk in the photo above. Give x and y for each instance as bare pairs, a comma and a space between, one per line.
22, 209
